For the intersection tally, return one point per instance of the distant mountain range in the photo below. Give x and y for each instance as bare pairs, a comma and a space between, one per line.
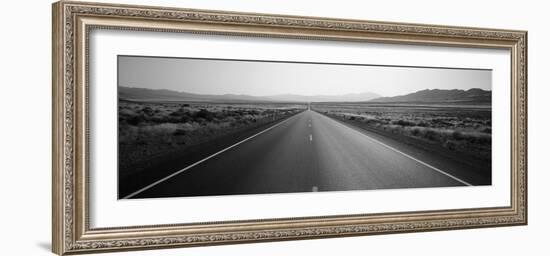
475, 95
442, 96
142, 94
350, 97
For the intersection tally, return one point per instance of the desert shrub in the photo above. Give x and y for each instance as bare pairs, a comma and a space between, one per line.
422, 132
184, 118
441, 122
176, 113
415, 131
200, 120
422, 124
180, 132
392, 128
126, 112
147, 111
403, 123
159, 119
430, 134
238, 113
134, 120
372, 122
478, 138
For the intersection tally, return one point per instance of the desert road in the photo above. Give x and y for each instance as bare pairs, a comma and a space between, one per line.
307, 152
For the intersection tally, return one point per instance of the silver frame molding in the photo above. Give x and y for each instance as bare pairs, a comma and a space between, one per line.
72, 22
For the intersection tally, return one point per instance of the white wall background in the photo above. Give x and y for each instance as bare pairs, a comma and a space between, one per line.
25, 101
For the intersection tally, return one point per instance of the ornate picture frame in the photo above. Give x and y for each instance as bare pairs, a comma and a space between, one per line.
72, 23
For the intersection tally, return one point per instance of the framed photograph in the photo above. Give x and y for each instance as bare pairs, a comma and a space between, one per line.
179, 127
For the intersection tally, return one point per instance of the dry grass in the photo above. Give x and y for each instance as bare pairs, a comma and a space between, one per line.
150, 129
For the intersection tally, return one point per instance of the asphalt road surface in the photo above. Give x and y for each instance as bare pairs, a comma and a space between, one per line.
306, 152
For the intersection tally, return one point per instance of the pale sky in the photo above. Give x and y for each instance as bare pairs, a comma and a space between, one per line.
207, 76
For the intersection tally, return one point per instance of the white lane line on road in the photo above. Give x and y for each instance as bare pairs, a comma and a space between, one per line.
310, 137
409, 156
203, 160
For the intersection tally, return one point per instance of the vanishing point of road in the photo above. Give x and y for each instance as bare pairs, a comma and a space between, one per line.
303, 153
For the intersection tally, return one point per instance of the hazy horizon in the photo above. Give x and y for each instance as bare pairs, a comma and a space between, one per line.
243, 77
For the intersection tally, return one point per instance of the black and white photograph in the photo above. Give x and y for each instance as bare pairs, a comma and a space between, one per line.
213, 127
